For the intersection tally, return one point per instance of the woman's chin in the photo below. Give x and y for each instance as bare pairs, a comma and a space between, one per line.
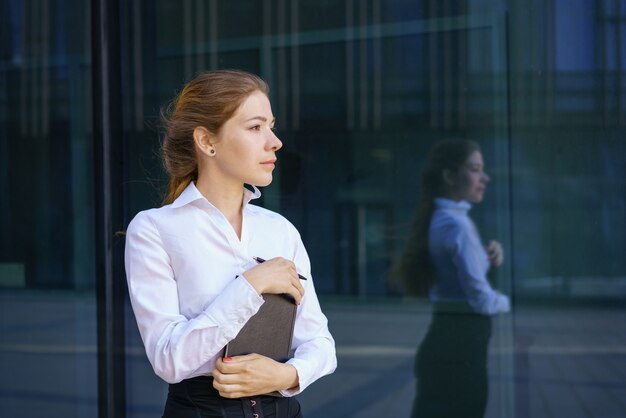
476, 198
262, 182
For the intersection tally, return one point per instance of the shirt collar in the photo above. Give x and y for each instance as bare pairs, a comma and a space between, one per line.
443, 203
191, 194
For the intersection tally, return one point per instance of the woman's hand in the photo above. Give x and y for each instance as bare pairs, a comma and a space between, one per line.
251, 375
277, 275
495, 253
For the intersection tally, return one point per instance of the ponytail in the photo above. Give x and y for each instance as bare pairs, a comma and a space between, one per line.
413, 271
176, 187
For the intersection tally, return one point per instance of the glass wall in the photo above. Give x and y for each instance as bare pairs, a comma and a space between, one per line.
362, 90
47, 267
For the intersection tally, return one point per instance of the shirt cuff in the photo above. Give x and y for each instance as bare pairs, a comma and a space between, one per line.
505, 303
303, 378
237, 303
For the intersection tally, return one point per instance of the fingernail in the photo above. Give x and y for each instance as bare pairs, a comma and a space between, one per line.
227, 358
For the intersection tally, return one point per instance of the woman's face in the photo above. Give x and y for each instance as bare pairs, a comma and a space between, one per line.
470, 180
246, 144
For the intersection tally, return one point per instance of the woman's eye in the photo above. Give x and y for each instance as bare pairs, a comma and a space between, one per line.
256, 128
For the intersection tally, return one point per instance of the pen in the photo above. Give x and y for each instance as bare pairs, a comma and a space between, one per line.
260, 260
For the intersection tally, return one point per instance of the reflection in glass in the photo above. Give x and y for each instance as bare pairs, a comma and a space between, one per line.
47, 301
445, 257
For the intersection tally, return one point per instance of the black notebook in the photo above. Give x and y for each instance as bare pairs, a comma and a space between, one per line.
268, 332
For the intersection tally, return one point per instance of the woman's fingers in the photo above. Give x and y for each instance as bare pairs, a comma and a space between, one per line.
250, 375
277, 275
296, 294
495, 252
228, 389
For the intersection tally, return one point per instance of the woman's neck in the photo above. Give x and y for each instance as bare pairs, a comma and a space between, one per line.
227, 198
451, 196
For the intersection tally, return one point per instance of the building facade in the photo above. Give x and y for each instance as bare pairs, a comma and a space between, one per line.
361, 91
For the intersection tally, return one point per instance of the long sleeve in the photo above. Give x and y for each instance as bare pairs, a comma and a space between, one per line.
184, 266
314, 346
472, 265
177, 345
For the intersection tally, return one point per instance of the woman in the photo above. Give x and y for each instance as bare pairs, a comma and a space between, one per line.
445, 257
192, 278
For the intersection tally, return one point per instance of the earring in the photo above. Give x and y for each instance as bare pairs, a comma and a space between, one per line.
212, 152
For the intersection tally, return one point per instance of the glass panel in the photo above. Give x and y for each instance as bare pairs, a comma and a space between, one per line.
47, 272
362, 91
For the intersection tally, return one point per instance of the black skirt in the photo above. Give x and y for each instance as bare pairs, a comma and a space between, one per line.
451, 367
197, 398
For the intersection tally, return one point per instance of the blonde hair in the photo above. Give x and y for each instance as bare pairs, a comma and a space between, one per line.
209, 100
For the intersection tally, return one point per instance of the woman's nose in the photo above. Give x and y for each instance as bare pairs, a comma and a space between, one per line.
274, 143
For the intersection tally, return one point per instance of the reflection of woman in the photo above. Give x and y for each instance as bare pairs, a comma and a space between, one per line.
446, 258
192, 280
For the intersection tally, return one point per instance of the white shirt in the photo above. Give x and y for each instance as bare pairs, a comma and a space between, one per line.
182, 262
460, 260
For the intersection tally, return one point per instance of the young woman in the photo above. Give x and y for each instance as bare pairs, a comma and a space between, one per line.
446, 258
190, 264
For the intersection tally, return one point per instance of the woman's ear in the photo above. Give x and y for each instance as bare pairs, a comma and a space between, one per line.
448, 177
204, 140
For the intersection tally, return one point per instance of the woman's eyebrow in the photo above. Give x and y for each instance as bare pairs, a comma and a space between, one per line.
261, 118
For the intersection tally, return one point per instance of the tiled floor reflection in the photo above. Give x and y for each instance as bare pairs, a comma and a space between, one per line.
558, 362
